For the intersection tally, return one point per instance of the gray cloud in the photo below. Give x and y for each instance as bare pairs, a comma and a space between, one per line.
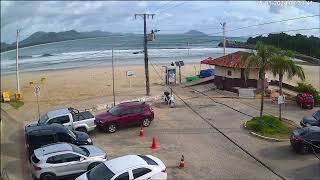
117, 16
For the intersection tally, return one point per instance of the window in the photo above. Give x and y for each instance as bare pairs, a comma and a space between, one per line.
123, 176
71, 157
60, 120
115, 111
148, 160
55, 159
316, 115
140, 172
126, 112
64, 137
41, 139
137, 110
100, 172
229, 73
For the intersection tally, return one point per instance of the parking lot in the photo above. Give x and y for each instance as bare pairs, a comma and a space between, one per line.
180, 131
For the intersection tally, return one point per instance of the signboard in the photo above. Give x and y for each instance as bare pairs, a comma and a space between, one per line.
37, 90
130, 73
281, 99
179, 63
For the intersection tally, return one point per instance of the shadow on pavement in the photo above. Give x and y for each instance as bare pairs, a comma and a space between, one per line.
283, 152
308, 172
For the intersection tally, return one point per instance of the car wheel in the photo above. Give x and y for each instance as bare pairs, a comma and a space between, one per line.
112, 128
92, 165
47, 176
82, 129
146, 122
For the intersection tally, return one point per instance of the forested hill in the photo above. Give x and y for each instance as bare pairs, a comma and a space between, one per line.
300, 43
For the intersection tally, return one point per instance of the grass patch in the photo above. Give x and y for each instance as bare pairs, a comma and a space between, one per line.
270, 126
16, 103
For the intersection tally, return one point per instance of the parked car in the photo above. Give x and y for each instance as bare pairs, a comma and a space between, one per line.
302, 139
69, 117
128, 167
61, 160
305, 100
313, 120
125, 114
37, 136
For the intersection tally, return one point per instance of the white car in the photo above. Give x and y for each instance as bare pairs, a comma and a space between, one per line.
128, 168
64, 159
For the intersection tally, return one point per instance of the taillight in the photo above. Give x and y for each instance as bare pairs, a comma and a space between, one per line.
164, 170
36, 168
297, 139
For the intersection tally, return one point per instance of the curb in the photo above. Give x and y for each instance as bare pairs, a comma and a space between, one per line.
264, 137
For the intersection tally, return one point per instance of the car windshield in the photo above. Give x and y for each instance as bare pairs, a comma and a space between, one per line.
44, 118
115, 111
100, 172
316, 115
72, 134
80, 150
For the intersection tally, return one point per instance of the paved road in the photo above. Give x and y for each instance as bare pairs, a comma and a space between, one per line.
13, 158
278, 155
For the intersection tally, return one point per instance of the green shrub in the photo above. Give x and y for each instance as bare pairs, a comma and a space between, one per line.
308, 88
269, 126
16, 103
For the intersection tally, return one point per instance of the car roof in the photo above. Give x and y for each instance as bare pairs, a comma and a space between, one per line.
312, 128
38, 129
131, 103
58, 112
52, 148
122, 163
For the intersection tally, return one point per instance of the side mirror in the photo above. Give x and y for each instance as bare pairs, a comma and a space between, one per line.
82, 159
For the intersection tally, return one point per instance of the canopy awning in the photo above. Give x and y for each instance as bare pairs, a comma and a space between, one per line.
207, 61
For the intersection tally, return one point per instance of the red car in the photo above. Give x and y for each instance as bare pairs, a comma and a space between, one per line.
305, 100
125, 114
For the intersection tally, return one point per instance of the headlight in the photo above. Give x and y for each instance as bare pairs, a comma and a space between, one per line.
89, 140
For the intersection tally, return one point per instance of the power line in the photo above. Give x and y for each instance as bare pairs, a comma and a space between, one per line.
222, 133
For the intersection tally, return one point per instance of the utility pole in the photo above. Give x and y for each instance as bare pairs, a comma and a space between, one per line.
224, 37
145, 44
17, 63
188, 48
114, 97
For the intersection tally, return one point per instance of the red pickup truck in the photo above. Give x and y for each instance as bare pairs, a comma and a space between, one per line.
305, 100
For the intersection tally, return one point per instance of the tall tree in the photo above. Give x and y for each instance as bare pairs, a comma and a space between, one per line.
280, 64
261, 60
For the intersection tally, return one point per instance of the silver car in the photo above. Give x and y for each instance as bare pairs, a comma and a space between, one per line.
64, 159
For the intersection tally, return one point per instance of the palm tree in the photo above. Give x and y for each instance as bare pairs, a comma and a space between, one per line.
281, 63
260, 60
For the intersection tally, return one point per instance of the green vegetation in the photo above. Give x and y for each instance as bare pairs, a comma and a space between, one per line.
308, 88
299, 43
270, 126
261, 60
281, 63
16, 103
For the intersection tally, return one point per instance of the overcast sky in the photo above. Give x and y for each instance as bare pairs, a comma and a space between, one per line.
171, 17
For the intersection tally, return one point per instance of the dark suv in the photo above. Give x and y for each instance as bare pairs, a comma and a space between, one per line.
125, 114
302, 139
37, 136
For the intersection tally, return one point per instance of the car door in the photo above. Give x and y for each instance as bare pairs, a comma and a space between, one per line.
315, 139
75, 163
141, 173
137, 115
56, 165
125, 118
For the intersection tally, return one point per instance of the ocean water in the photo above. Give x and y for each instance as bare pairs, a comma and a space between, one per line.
97, 52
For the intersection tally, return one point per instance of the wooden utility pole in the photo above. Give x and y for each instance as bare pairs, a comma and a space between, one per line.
17, 62
224, 37
114, 97
145, 44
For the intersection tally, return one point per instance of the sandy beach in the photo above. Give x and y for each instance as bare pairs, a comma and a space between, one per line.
66, 86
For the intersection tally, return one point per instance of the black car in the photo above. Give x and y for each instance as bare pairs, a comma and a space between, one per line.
302, 139
40, 135
313, 120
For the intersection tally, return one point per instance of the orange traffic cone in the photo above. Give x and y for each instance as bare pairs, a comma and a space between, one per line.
154, 143
181, 165
141, 131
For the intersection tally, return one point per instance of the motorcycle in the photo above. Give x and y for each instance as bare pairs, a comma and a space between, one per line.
169, 99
